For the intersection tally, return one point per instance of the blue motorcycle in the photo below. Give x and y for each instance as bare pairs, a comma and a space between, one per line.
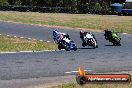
63, 41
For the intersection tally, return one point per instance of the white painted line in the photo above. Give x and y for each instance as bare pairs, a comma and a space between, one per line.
124, 33
62, 49
25, 51
34, 39
15, 36
48, 50
41, 40
76, 71
7, 52
7, 35
21, 37
28, 51
29, 38
71, 72
48, 41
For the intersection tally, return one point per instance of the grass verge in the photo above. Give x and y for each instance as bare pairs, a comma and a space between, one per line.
17, 44
75, 85
100, 22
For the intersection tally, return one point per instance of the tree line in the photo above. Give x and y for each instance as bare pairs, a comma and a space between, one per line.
77, 6
56, 3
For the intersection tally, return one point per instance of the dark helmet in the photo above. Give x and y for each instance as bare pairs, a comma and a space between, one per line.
89, 33
81, 31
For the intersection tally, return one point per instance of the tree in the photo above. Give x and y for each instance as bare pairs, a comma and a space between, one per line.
18, 3
3, 2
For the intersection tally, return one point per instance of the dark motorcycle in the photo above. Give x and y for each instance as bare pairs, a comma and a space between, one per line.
112, 37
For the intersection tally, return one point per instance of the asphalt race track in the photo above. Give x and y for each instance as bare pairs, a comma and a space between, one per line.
106, 58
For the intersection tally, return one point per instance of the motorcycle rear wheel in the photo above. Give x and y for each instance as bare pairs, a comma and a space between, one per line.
59, 47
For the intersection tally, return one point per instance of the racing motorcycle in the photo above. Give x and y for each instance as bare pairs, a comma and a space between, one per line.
63, 41
112, 37
88, 39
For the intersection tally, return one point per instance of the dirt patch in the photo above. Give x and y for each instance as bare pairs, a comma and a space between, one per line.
57, 27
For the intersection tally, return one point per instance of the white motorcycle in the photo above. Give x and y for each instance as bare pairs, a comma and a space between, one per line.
90, 41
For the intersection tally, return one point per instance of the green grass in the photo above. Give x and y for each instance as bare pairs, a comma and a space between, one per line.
16, 44
93, 22
75, 85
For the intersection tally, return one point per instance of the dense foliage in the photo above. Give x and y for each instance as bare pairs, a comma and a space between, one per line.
63, 6
54, 3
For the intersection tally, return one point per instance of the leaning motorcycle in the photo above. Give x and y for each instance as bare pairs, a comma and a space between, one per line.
112, 37
90, 42
63, 44
116, 39
67, 46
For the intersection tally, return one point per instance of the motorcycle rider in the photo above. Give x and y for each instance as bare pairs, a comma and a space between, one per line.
63, 41
109, 35
59, 37
86, 35
64, 37
112, 37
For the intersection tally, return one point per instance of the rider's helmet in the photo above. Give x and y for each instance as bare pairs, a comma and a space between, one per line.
81, 32
89, 33
67, 36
